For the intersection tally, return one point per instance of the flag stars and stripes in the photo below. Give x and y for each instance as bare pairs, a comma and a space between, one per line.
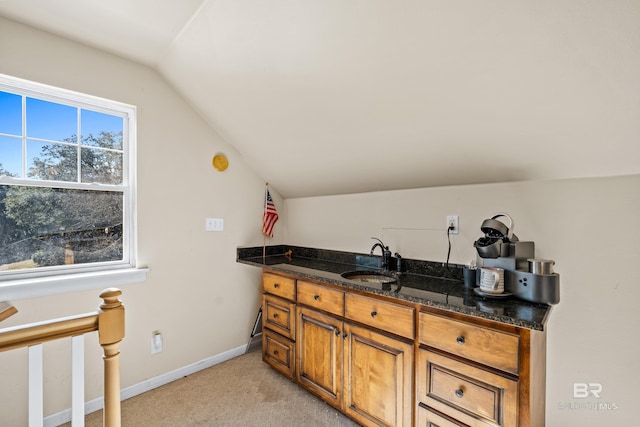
270, 215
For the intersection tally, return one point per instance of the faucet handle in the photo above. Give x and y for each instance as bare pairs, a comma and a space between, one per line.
398, 262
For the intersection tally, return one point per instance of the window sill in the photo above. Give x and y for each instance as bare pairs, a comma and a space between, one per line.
54, 285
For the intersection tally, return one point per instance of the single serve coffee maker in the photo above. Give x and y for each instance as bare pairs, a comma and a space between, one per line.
525, 276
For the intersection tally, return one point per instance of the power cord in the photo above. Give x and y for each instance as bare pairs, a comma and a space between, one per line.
449, 229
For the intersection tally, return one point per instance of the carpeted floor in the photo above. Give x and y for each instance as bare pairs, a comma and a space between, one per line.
243, 391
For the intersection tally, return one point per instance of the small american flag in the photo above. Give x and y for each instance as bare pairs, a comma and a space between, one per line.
270, 215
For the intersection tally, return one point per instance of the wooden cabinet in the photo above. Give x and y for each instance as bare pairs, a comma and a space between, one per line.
361, 371
378, 367
378, 378
483, 345
279, 352
387, 316
319, 357
284, 287
278, 323
467, 393
477, 375
366, 374
279, 315
388, 363
321, 298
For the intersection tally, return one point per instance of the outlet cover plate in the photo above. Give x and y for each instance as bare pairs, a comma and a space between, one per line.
452, 221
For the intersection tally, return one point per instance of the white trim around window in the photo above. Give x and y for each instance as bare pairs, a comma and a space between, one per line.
37, 282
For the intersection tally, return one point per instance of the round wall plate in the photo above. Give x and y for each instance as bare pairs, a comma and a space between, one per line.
220, 162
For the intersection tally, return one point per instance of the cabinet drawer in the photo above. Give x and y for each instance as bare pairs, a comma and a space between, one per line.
483, 345
387, 316
279, 315
278, 352
280, 286
466, 393
321, 297
427, 418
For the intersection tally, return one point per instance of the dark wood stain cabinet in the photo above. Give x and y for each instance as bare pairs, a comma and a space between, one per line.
386, 362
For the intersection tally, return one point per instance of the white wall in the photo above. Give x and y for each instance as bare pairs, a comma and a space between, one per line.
590, 227
202, 301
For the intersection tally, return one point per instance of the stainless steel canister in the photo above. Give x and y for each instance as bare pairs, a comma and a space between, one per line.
541, 266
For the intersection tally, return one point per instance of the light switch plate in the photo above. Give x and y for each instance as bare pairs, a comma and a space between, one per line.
214, 224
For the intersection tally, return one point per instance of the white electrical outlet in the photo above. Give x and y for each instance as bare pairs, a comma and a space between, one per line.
214, 224
156, 342
452, 224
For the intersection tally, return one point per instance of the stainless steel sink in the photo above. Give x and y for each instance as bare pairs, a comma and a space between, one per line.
367, 276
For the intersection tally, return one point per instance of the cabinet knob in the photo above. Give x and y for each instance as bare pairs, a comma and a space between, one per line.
345, 336
316, 297
275, 315
337, 333
275, 352
459, 393
460, 340
374, 314
276, 285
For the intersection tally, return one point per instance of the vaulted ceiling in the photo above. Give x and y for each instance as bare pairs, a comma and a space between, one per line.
333, 96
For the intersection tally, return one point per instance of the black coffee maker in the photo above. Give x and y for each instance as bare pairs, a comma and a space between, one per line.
501, 248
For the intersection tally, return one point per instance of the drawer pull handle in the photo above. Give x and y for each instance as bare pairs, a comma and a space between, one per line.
275, 352
316, 297
460, 340
276, 285
374, 314
337, 333
459, 393
345, 336
275, 315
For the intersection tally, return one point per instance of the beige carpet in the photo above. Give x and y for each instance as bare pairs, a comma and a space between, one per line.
243, 391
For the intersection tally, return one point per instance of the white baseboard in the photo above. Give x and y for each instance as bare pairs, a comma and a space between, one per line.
136, 389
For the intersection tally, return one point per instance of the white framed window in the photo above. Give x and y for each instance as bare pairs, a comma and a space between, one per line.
67, 184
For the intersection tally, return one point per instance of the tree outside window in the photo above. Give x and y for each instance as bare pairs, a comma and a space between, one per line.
65, 188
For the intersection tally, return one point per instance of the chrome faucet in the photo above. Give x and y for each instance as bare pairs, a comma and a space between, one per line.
386, 253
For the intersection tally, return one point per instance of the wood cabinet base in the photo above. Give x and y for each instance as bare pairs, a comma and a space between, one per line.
386, 362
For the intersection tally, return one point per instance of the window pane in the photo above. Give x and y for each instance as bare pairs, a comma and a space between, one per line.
49, 161
10, 113
42, 227
59, 143
101, 130
48, 120
101, 166
11, 156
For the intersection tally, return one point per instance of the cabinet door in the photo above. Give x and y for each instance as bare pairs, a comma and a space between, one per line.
378, 378
319, 354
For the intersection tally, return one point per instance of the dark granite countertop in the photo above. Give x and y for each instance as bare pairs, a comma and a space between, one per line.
424, 282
